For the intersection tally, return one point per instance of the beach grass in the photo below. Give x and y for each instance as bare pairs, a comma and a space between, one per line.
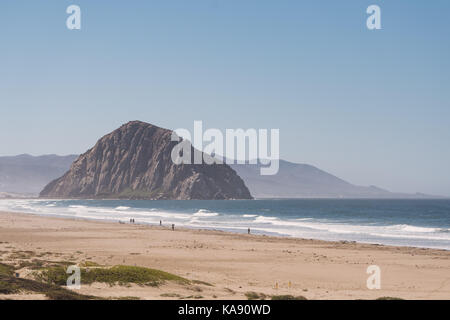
37, 264
170, 295
389, 298
193, 297
6, 270
202, 283
10, 284
89, 264
288, 297
21, 255
251, 295
120, 274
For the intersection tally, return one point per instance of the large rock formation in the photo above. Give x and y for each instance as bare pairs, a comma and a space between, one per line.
134, 162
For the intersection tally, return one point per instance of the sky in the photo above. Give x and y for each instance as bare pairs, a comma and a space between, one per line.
369, 106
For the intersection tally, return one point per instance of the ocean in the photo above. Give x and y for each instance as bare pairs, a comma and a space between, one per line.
417, 223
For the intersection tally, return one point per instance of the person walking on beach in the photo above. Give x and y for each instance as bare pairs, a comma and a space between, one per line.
160, 223
173, 227
248, 230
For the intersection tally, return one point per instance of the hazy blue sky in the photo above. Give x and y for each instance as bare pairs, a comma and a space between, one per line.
372, 107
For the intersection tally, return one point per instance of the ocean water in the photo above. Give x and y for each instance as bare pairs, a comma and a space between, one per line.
418, 223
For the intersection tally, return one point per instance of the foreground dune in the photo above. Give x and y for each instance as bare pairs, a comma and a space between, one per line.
223, 265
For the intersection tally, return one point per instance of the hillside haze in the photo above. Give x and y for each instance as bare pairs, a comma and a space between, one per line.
295, 180
27, 174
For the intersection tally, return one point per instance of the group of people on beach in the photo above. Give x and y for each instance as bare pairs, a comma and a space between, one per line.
173, 225
160, 223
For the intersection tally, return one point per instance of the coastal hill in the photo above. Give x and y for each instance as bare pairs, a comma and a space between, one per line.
296, 180
134, 162
26, 174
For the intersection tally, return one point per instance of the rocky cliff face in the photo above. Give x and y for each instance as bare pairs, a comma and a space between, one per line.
134, 162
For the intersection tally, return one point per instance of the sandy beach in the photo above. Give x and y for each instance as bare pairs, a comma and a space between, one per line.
223, 265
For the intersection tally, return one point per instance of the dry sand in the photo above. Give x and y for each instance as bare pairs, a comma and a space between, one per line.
233, 263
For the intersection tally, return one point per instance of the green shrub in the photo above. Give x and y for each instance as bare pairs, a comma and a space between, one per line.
6, 270
389, 298
251, 295
114, 275
288, 297
10, 285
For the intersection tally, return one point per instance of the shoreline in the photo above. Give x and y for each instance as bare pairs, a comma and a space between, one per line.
258, 232
242, 263
213, 231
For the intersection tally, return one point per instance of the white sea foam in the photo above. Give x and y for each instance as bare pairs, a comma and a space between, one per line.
122, 208
205, 213
394, 231
410, 236
264, 219
77, 207
408, 228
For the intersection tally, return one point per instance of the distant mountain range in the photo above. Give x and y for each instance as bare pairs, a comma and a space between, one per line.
25, 174
295, 180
